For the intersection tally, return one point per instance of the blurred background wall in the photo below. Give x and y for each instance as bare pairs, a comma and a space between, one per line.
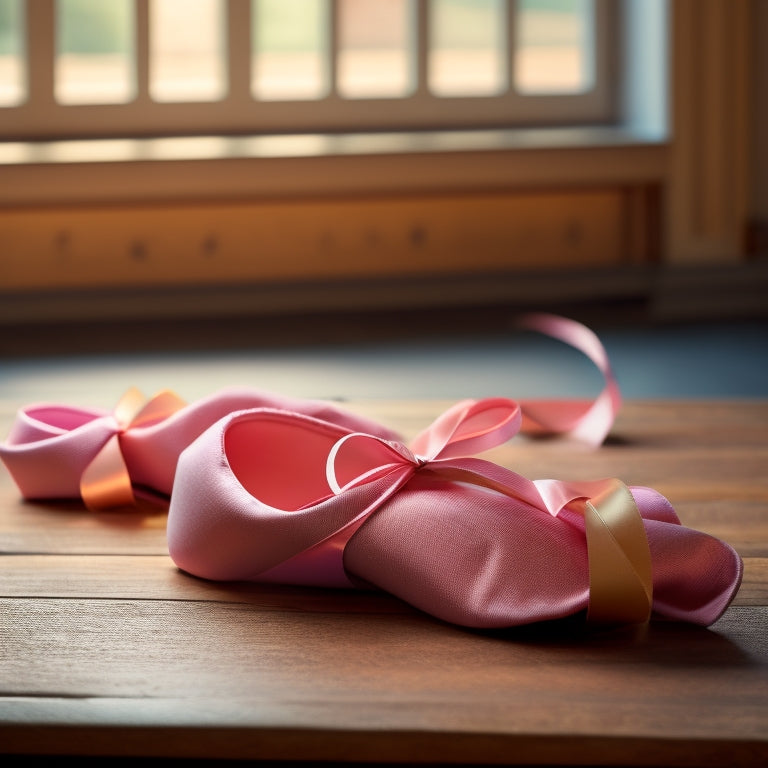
656, 215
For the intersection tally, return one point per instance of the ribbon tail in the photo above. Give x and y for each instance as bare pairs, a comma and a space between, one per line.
589, 421
105, 483
487, 475
159, 407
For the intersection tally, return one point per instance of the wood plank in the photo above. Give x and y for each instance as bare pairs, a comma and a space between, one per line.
338, 674
742, 523
137, 727
155, 577
67, 527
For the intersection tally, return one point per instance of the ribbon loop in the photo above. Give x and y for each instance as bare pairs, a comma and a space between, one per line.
128, 407
158, 408
361, 466
106, 481
469, 427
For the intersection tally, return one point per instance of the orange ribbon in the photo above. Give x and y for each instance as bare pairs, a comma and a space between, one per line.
106, 482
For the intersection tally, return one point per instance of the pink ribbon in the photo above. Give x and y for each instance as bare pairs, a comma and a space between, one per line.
588, 421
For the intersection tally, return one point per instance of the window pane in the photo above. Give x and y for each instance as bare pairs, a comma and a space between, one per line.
187, 51
555, 46
290, 49
94, 43
375, 48
12, 76
467, 51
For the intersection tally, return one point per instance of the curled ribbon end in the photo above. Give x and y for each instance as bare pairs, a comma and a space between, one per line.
592, 424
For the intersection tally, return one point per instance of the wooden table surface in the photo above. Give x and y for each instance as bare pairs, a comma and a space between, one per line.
107, 649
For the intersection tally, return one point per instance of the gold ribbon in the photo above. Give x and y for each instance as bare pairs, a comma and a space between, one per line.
106, 483
618, 554
620, 568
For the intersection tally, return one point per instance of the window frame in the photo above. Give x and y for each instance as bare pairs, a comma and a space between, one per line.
40, 117
144, 175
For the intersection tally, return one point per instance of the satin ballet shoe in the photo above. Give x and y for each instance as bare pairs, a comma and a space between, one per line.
113, 459
269, 496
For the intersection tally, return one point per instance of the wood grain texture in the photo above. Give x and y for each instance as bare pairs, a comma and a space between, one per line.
332, 238
107, 649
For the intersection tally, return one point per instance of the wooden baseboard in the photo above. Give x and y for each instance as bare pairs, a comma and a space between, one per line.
711, 292
192, 245
290, 313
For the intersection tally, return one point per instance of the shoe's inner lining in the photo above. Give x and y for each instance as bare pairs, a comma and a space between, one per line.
282, 459
279, 460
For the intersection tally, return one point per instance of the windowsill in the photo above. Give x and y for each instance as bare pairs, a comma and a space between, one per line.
209, 167
314, 145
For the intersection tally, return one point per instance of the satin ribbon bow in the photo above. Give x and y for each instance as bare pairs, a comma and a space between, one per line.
106, 481
620, 579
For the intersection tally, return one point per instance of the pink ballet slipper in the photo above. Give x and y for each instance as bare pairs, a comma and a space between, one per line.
114, 459
269, 496
109, 459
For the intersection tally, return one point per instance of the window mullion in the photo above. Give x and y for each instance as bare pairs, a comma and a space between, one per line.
511, 43
141, 50
421, 42
41, 52
334, 24
238, 37
42, 116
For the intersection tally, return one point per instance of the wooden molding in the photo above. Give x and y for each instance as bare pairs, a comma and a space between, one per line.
707, 203
187, 244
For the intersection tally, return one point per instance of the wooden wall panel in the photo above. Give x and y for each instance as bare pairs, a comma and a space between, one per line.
219, 242
708, 203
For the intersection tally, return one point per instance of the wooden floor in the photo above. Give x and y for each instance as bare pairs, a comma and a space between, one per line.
107, 649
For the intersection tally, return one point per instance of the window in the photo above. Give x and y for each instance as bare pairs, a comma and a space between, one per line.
80, 68
93, 61
375, 132
12, 54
